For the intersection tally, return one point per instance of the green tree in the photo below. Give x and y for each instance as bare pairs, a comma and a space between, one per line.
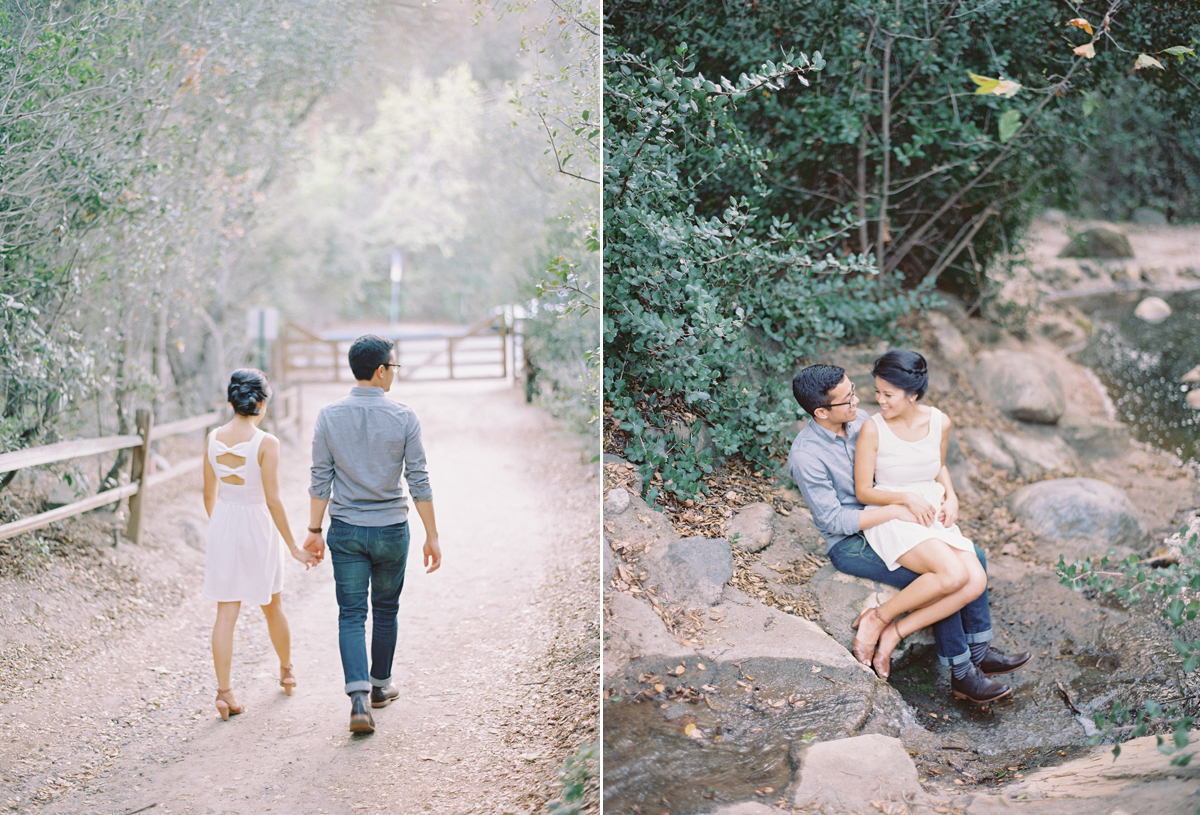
138, 138
938, 177
709, 304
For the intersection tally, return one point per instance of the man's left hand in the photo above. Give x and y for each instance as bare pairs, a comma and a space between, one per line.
433, 554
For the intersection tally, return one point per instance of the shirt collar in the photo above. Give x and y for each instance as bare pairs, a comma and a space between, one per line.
828, 435
367, 391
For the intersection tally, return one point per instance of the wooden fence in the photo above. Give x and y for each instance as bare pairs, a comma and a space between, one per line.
284, 413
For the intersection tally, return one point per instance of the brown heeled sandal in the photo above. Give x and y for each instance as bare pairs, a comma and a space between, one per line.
287, 680
226, 705
881, 662
864, 649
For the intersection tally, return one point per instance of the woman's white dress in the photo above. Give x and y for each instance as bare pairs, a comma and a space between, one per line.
911, 466
244, 559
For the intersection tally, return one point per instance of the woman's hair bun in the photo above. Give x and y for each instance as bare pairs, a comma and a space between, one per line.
248, 387
905, 369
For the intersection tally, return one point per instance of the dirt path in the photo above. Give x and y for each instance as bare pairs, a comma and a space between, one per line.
497, 659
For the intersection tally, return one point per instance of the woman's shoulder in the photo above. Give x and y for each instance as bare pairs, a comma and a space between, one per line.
936, 414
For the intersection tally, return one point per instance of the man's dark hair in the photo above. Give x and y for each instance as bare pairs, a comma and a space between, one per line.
811, 386
904, 369
367, 354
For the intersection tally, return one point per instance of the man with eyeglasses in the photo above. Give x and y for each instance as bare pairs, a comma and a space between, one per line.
362, 446
821, 462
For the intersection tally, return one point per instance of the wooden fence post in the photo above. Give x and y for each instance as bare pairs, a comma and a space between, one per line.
137, 475
504, 345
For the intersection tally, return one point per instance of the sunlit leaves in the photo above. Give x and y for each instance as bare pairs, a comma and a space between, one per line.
1087, 50
1146, 61
1178, 51
1079, 22
994, 87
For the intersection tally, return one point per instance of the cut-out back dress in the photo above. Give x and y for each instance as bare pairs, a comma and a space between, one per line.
244, 558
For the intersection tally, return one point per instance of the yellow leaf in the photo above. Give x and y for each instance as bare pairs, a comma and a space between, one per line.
692, 732
986, 84
1146, 61
995, 87
1088, 50
1079, 22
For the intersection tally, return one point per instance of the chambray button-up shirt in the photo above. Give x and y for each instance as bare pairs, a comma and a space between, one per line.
361, 447
822, 464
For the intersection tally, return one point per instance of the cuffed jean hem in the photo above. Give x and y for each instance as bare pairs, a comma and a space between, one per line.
961, 659
356, 687
979, 636
380, 683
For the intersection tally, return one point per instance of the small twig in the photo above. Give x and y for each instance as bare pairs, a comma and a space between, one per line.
143, 809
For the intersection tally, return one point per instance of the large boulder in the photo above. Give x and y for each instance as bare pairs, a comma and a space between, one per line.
690, 572
950, 341
982, 442
1021, 385
1098, 242
1034, 456
752, 525
869, 773
1094, 438
1081, 516
633, 630
1147, 216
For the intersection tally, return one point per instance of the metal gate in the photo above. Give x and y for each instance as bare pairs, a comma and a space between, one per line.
478, 351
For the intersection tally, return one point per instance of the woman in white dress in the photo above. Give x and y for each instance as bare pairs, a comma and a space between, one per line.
901, 459
244, 561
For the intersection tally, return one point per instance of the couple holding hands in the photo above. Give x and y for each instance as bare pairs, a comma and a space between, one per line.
881, 495
362, 446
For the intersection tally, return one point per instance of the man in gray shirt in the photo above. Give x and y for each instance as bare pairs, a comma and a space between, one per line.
821, 462
362, 445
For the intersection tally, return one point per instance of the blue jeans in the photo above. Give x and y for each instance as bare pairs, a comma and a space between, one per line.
952, 635
367, 559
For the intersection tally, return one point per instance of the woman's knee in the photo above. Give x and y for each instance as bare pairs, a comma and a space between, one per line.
954, 576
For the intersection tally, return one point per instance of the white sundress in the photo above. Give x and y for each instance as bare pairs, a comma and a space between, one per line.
244, 558
911, 466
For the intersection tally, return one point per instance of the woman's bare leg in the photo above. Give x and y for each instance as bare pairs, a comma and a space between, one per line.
941, 575
941, 608
281, 638
222, 641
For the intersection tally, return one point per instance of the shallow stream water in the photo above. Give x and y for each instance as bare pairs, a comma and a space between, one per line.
1141, 364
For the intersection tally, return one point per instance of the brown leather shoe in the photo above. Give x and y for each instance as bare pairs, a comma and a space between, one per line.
997, 662
361, 720
382, 697
977, 688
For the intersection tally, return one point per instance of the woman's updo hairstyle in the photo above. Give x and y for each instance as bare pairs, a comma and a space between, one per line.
248, 387
904, 369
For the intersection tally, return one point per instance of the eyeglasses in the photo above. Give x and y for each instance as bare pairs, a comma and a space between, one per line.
839, 404
391, 364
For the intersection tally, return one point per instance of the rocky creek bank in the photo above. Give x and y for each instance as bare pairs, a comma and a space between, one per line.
728, 684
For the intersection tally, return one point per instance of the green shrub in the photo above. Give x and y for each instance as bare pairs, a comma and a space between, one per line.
580, 782
1176, 586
